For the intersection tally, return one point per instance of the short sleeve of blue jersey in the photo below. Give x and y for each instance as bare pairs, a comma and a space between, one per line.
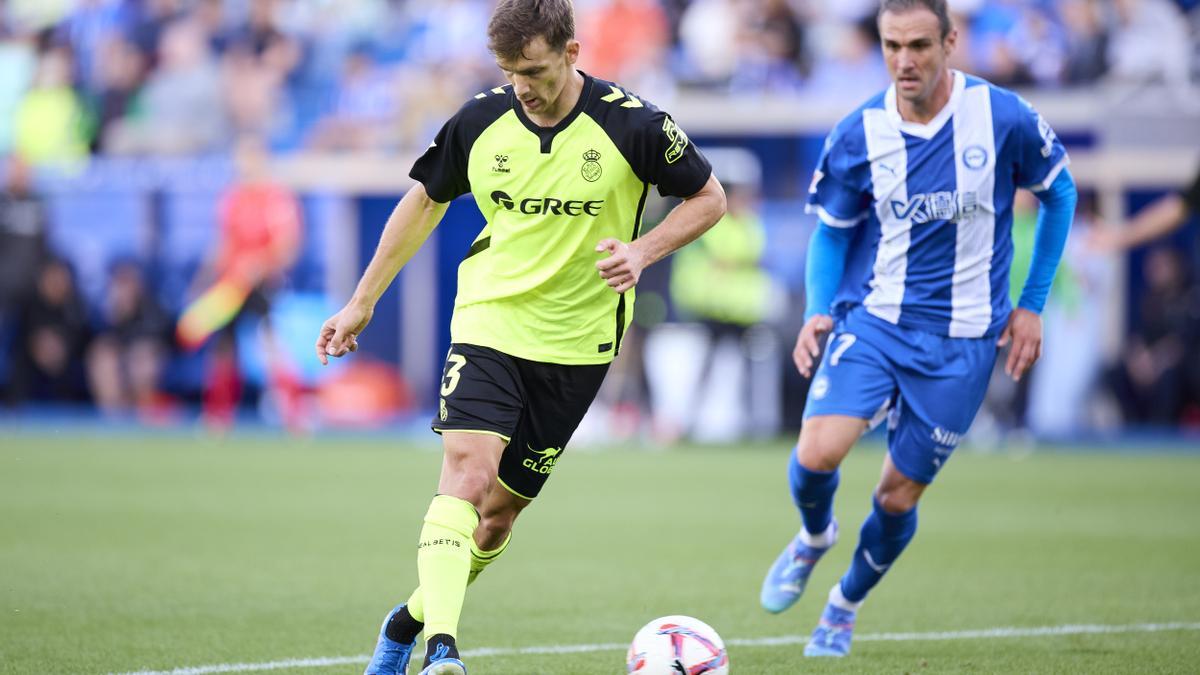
1040, 155
836, 194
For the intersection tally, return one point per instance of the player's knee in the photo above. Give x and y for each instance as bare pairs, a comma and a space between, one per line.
822, 448
898, 498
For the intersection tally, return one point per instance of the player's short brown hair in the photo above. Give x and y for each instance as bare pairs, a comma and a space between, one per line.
938, 7
516, 23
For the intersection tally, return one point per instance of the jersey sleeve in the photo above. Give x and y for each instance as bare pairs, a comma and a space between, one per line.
666, 157
1040, 155
443, 167
834, 195
1191, 195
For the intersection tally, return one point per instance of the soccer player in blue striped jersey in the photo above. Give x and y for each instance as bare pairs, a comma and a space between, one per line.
908, 274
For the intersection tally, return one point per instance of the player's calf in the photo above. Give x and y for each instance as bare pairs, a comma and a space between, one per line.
813, 493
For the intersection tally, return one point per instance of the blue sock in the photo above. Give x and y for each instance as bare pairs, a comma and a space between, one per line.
813, 493
884, 535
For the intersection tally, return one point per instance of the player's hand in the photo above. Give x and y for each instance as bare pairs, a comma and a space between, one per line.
1024, 331
339, 333
808, 343
623, 266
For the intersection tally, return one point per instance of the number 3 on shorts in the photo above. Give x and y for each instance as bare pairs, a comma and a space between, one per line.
844, 341
450, 381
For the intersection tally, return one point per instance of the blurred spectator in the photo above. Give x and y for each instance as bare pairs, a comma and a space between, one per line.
150, 21
621, 37
260, 34
1164, 216
1149, 43
1149, 365
47, 362
772, 47
121, 69
18, 63
708, 36
1062, 391
367, 106
254, 93
1150, 381
1039, 46
719, 282
855, 71
1086, 41
50, 125
86, 29
180, 109
22, 238
125, 359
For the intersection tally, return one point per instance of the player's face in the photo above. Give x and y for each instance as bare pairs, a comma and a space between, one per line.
915, 52
539, 75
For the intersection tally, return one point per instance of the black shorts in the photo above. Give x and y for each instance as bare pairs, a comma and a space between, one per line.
533, 406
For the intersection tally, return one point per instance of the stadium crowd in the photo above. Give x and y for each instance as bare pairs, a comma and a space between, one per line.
125, 76
194, 77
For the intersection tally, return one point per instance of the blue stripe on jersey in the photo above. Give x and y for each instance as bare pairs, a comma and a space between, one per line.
932, 205
931, 193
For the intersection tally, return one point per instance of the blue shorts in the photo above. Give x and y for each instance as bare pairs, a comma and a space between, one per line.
927, 386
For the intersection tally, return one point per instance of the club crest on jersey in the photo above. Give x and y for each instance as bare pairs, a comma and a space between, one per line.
591, 166
975, 157
501, 165
945, 205
677, 140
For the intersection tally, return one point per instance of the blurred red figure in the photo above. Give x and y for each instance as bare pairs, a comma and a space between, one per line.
623, 35
260, 239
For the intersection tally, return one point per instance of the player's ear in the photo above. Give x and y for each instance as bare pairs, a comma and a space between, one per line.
572, 51
951, 41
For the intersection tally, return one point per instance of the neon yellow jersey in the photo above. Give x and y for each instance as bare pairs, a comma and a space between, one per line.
529, 286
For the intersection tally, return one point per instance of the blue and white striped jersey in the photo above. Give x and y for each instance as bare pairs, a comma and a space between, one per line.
932, 205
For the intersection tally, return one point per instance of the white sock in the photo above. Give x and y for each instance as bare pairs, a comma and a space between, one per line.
838, 600
824, 540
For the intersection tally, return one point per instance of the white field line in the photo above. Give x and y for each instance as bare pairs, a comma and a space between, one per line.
981, 634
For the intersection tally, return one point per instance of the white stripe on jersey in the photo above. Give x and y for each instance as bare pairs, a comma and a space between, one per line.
974, 173
889, 181
833, 221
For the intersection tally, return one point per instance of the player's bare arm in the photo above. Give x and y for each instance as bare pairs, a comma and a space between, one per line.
686, 222
407, 229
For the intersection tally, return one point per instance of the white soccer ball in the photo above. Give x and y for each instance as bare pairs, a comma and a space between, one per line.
677, 645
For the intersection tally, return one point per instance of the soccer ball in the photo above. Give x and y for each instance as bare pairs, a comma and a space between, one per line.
677, 645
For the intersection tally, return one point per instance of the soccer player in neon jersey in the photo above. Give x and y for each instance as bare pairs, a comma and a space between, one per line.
560, 163
908, 273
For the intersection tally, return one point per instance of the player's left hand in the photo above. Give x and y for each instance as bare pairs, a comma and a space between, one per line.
1024, 331
623, 266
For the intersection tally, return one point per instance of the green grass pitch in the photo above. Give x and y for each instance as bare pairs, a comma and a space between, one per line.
120, 554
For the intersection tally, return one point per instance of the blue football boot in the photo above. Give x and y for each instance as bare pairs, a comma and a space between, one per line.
833, 633
787, 578
390, 657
